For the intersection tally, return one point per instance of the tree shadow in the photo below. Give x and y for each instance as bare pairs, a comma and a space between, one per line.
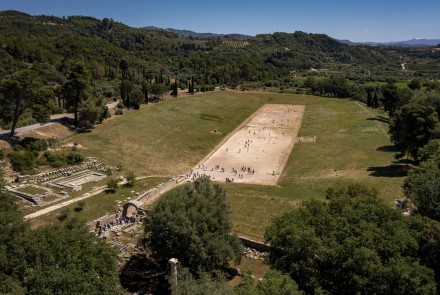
386, 148
380, 119
209, 117
143, 275
393, 170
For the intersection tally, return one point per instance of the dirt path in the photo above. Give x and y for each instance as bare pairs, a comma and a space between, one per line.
65, 203
94, 192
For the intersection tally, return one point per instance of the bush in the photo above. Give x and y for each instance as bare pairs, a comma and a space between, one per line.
131, 178
119, 111
112, 185
74, 158
63, 214
55, 160
22, 161
120, 105
33, 144
79, 206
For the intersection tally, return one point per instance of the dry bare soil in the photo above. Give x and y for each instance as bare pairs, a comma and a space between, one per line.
257, 151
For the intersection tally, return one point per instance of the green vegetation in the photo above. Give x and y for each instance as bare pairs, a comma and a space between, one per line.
33, 155
112, 185
192, 224
23, 91
352, 145
353, 244
100, 204
273, 282
31, 190
412, 126
53, 259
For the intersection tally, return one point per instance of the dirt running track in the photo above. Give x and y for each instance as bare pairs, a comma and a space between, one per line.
261, 145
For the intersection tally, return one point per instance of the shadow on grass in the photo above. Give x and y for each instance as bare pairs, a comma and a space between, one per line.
380, 119
209, 117
393, 170
386, 148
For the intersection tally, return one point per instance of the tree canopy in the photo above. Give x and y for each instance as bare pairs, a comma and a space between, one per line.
423, 187
192, 224
53, 259
22, 91
354, 244
412, 126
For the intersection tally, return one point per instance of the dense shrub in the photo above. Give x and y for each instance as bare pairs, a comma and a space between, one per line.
74, 158
119, 111
23, 161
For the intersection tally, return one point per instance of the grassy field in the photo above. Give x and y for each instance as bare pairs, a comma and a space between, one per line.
31, 190
171, 137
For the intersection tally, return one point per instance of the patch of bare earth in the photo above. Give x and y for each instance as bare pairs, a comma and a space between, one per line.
55, 130
258, 150
4, 145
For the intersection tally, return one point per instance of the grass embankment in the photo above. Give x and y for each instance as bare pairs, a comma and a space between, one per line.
171, 137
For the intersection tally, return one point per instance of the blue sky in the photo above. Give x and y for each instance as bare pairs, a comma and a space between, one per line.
356, 20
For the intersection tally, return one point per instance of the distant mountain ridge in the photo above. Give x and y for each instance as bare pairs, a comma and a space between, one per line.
187, 33
407, 43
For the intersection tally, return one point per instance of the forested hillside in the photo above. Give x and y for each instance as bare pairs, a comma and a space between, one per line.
57, 41
116, 61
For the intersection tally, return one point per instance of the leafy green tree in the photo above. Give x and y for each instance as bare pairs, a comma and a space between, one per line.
112, 185
76, 88
431, 99
53, 259
90, 112
415, 84
125, 89
422, 186
24, 90
136, 98
273, 282
145, 91
191, 86
369, 96
68, 260
394, 98
429, 152
203, 283
174, 92
192, 224
12, 229
131, 179
123, 65
375, 104
158, 89
427, 232
354, 244
412, 126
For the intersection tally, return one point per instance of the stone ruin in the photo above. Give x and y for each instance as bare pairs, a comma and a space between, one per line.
306, 139
36, 199
64, 179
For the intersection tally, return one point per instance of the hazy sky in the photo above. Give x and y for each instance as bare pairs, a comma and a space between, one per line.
356, 20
